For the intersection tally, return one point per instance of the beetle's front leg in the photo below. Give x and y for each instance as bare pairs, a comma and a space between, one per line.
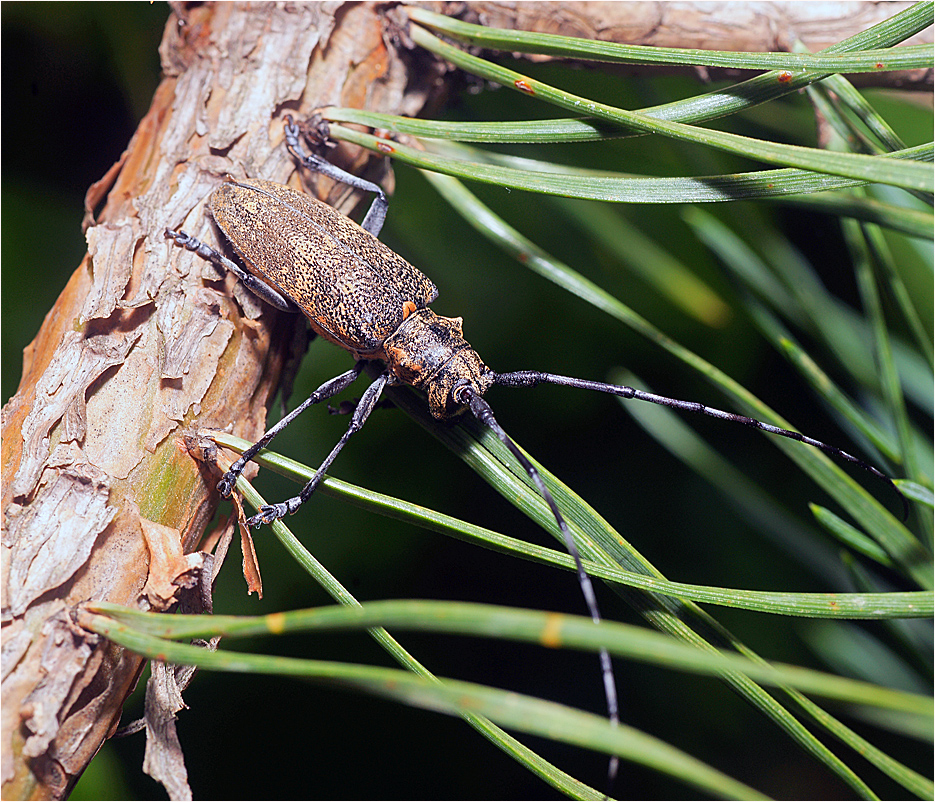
272, 512
259, 288
329, 389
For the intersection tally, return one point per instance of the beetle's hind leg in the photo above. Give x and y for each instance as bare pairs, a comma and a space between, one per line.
376, 214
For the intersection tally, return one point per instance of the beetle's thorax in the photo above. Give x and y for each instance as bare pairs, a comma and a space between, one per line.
430, 353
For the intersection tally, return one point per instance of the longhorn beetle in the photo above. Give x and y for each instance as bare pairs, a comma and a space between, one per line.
301, 255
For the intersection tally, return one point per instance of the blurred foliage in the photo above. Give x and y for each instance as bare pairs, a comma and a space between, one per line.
78, 77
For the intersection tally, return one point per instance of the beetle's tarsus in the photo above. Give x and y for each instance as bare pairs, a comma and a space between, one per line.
226, 485
267, 514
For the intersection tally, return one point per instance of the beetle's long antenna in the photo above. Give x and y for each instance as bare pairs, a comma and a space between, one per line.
481, 409
530, 378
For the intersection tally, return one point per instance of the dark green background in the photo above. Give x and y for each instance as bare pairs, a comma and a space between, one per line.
77, 78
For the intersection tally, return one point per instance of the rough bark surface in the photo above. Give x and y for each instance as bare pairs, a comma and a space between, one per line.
147, 342
746, 26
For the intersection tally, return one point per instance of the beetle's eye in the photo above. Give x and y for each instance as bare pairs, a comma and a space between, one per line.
459, 393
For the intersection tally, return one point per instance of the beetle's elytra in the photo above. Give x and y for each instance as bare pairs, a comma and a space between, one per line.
354, 290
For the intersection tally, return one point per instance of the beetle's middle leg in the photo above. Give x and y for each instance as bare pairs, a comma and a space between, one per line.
329, 389
259, 288
270, 512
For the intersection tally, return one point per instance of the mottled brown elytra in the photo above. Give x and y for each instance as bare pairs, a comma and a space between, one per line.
303, 256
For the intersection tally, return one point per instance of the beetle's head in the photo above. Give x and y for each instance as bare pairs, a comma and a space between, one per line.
430, 353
